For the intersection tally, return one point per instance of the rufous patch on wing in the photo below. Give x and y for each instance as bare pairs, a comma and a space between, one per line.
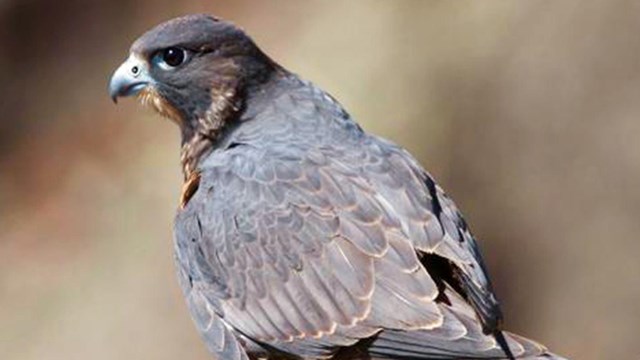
189, 188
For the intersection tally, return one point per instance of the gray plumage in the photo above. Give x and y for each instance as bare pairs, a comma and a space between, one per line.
303, 236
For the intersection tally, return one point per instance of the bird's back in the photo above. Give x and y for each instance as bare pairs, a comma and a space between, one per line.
309, 237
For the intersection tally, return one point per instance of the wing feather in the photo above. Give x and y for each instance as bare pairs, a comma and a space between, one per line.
308, 249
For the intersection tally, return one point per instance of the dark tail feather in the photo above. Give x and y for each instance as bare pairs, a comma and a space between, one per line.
503, 344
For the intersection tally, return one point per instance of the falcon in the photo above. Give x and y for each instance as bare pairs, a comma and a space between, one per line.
299, 235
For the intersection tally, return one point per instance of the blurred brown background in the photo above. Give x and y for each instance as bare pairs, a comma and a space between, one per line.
526, 112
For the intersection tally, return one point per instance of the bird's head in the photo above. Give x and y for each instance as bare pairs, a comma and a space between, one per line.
193, 70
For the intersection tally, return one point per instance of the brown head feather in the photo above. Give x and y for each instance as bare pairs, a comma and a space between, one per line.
206, 92
150, 98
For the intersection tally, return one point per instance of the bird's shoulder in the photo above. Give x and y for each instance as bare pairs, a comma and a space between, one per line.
282, 201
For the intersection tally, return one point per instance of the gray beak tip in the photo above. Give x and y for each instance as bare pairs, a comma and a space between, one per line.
113, 93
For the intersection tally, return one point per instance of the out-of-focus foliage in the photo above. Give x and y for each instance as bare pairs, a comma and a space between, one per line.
526, 112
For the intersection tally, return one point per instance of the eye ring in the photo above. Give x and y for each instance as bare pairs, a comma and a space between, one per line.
171, 57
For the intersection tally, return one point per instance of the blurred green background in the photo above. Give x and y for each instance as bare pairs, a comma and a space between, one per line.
526, 112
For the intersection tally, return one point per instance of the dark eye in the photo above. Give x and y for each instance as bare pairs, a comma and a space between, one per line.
171, 57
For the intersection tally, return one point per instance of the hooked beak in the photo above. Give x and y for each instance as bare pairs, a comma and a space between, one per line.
129, 79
